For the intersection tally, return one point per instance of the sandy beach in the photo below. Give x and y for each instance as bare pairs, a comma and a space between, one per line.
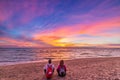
79, 69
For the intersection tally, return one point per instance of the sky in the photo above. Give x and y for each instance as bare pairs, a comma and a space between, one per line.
59, 23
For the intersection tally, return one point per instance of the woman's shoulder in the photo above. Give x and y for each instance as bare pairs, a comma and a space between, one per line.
65, 66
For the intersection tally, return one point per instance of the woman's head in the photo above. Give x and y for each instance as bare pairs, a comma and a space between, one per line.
61, 62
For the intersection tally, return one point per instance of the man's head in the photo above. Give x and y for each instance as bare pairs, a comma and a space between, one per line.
49, 61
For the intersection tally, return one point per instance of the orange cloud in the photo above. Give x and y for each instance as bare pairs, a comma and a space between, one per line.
57, 37
47, 39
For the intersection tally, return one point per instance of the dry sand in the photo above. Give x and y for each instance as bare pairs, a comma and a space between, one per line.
79, 69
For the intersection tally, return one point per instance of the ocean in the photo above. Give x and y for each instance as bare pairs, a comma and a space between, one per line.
24, 55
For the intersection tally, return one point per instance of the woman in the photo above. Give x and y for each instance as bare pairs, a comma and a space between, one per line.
61, 69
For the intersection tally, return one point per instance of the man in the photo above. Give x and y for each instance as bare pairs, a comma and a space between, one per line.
49, 69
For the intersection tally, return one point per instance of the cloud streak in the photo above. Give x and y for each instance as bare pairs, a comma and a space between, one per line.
46, 23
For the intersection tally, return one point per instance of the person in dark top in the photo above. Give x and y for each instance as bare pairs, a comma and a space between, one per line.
61, 69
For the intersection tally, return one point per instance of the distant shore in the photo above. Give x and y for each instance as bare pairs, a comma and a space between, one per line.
79, 69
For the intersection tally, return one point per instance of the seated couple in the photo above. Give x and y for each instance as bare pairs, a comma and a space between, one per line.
49, 69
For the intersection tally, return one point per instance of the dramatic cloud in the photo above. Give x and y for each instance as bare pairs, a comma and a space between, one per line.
46, 23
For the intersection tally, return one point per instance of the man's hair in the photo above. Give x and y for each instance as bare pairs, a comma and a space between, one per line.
49, 61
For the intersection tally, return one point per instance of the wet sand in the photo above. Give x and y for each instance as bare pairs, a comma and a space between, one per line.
79, 69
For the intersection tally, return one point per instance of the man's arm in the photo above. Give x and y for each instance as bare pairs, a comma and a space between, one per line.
44, 69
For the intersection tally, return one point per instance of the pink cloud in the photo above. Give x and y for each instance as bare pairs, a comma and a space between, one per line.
4, 14
8, 42
92, 29
103, 25
27, 10
34, 10
103, 11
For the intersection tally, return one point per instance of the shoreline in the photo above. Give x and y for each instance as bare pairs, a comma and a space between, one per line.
79, 69
42, 61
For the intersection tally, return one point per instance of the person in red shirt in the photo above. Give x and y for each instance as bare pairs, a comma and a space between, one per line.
61, 69
49, 69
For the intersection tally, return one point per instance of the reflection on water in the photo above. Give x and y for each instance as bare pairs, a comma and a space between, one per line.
35, 54
55, 55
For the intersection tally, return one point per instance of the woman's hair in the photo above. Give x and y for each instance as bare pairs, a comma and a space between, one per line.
61, 62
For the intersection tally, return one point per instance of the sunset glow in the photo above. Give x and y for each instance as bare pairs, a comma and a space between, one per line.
59, 23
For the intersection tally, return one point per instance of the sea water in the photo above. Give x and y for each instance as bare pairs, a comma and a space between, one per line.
24, 55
